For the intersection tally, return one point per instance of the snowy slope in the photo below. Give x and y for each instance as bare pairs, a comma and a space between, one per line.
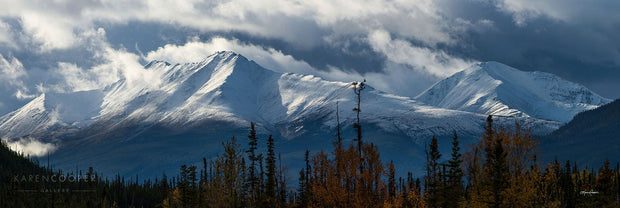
52, 112
497, 89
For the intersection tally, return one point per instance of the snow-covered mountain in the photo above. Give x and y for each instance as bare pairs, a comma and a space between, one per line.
228, 87
184, 114
52, 112
496, 89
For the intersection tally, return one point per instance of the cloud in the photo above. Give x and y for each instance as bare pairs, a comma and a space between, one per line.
195, 51
31, 147
573, 11
433, 62
76, 78
304, 23
403, 80
12, 74
112, 65
120, 64
11, 70
54, 34
6, 35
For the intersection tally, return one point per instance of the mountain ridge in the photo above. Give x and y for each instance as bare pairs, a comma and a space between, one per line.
493, 88
194, 106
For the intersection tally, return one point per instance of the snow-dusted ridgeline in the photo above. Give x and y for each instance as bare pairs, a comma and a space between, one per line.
496, 89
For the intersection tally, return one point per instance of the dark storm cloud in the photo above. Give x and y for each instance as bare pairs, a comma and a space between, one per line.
581, 46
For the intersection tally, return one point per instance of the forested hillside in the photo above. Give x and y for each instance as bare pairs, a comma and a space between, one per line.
591, 137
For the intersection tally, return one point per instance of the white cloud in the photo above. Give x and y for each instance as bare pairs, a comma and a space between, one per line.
11, 70
6, 35
401, 80
49, 32
54, 24
112, 65
12, 74
195, 51
120, 64
75, 78
31, 147
433, 62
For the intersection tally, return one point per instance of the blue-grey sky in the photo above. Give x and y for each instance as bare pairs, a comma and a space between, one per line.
399, 46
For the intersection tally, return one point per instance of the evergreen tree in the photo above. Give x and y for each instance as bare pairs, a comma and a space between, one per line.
304, 190
432, 181
605, 184
252, 182
567, 186
281, 182
498, 172
270, 184
391, 180
454, 187
187, 185
617, 182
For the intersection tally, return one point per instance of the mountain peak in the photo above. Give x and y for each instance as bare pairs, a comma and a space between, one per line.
492, 68
490, 65
494, 88
219, 56
226, 56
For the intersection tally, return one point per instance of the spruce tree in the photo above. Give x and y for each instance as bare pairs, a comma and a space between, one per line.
281, 182
391, 180
432, 183
270, 184
252, 181
187, 186
605, 184
454, 187
304, 182
567, 186
301, 190
498, 181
